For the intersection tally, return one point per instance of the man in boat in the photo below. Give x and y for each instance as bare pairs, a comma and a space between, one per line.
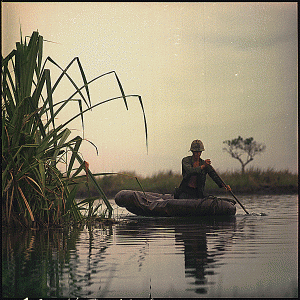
194, 170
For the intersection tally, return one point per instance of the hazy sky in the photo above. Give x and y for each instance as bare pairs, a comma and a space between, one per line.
209, 71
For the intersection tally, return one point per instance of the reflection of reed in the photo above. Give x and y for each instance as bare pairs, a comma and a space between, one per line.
34, 262
74, 264
86, 262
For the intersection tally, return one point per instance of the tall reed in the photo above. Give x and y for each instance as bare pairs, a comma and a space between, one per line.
34, 191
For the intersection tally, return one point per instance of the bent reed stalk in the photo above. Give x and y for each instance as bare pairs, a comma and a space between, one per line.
34, 191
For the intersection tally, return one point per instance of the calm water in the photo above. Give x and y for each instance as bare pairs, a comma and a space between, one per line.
243, 256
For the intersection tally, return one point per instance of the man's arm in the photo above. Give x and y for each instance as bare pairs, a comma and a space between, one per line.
188, 169
214, 176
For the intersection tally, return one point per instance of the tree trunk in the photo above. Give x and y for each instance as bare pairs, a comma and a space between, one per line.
243, 169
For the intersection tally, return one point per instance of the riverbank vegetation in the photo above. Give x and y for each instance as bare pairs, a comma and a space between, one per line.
35, 149
252, 181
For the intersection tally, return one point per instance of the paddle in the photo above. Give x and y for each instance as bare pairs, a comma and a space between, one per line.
231, 192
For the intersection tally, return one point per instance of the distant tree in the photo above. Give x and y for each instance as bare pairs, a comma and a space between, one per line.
238, 147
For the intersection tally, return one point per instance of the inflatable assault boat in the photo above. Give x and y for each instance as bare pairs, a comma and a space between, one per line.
164, 205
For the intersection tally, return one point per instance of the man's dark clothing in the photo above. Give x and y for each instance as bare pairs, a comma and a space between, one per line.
185, 190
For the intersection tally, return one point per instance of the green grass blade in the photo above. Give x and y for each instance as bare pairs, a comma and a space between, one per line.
93, 106
87, 200
61, 143
122, 91
74, 154
79, 169
72, 206
7, 96
84, 80
145, 121
30, 64
91, 176
40, 56
122, 174
42, 174
8, 57
64, 72
38, 90
82, 121
26, 203
49, 95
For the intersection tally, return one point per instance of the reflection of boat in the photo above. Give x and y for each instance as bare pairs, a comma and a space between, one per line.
202, 242
159, 205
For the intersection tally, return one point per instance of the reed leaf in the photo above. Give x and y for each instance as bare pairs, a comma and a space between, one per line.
61, 144
122, 174
64, 73
26, 203
74, 155
93, 179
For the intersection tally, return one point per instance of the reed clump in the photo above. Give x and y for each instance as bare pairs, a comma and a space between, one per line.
36, 192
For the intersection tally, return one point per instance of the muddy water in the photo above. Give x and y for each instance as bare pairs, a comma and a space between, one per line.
252, 255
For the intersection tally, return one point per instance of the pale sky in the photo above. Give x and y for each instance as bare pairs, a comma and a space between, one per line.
209, 71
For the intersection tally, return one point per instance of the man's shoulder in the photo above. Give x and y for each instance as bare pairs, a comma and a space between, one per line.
187, 158
190, 157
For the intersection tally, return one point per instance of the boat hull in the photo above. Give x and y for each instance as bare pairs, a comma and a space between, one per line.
159, 205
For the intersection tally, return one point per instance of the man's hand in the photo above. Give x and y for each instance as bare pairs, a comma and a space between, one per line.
206, 162
227, 187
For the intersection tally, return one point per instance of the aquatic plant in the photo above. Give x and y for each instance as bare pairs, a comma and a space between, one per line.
34, 190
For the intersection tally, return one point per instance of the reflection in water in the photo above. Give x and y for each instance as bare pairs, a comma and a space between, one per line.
34, 263
72, 263
159, 257
192, 234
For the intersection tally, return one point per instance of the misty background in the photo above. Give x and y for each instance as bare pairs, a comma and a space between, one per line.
209, 71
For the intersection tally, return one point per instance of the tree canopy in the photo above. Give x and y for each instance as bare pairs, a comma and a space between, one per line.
246, 148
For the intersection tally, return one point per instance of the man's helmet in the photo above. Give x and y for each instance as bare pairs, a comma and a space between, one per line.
197, 145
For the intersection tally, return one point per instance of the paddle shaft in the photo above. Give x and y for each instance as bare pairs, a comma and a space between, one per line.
231, 192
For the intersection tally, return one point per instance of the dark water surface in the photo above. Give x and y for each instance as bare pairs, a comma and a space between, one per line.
243, 256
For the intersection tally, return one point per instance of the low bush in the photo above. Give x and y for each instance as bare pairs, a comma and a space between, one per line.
253, 181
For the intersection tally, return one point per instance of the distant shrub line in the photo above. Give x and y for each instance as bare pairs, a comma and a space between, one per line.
253, 181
